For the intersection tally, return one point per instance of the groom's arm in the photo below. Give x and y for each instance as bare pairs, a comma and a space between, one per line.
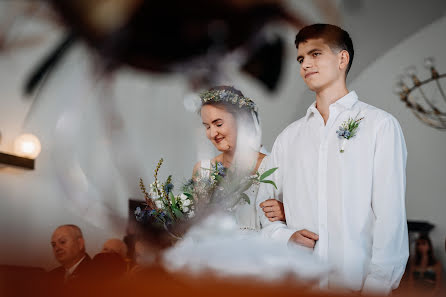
277, 230
390, 238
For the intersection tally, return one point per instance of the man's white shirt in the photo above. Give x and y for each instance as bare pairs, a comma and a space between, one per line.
70, 270
354, 201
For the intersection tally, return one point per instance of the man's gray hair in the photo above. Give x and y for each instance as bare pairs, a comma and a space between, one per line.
76, 231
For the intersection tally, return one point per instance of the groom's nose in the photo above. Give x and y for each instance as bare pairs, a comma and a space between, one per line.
307, 64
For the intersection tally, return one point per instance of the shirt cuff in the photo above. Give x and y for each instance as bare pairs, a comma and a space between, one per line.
283, 235
376, 286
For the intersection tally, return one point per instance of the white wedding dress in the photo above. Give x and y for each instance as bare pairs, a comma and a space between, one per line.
245, 214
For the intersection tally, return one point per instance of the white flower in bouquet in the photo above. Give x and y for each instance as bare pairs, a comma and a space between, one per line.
191, 214
159, 203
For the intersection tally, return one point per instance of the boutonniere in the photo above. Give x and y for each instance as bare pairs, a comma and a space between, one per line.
348, 130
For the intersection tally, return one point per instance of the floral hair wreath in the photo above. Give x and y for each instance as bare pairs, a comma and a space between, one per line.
228, 96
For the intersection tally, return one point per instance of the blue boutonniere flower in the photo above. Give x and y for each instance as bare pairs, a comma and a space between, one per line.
348, 130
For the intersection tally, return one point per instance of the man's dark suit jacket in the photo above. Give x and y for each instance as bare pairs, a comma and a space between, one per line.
81, 274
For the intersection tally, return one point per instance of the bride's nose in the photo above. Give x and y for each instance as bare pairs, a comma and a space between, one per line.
214, 131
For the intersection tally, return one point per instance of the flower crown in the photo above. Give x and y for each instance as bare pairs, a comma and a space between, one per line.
227, 96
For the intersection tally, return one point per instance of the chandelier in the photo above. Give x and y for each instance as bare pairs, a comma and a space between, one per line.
427, 98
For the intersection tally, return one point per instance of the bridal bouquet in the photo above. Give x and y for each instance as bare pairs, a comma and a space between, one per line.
222, 188
162, 205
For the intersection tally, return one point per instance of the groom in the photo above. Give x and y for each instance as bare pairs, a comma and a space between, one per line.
341, 174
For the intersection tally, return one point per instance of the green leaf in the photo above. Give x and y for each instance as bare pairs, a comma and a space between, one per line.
178, 213
188, 195
268, 173
269, 182
172, 198
218, 178
244, 186
245, 197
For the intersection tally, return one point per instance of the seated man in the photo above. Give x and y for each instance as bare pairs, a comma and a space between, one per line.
115, 245
110, 263
69, 250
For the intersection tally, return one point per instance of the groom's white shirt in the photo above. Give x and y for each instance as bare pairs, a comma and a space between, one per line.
354, 201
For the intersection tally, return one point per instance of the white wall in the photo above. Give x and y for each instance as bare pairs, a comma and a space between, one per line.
426, 166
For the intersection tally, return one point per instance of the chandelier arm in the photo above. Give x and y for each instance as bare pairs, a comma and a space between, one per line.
424, 82
420, 89
431, 105
428, 121
441, 89
411, 101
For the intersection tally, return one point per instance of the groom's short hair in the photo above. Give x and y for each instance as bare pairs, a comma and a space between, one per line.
335, 37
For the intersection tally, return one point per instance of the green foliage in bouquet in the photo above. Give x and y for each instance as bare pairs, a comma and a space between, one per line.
162, 205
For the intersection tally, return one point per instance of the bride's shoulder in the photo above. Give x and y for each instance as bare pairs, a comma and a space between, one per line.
196, 169
261, 161
202, 164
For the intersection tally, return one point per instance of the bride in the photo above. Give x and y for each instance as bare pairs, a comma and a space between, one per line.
231, 123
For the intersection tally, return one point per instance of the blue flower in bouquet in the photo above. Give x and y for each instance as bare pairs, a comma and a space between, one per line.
189, 183
163, 216
139, 214
221, 170
168, 188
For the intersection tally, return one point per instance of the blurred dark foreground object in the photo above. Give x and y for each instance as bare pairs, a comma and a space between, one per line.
420, 226
153, 281
108, 266
173, 35
21, 281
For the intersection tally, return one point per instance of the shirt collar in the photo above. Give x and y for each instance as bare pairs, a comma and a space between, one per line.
72, 268
345, 102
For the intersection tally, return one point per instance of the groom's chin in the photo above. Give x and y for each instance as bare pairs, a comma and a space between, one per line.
312, 87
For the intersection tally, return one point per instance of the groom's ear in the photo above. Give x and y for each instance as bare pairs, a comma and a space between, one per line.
344, 59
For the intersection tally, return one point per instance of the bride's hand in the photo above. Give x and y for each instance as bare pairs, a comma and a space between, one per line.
273, 210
